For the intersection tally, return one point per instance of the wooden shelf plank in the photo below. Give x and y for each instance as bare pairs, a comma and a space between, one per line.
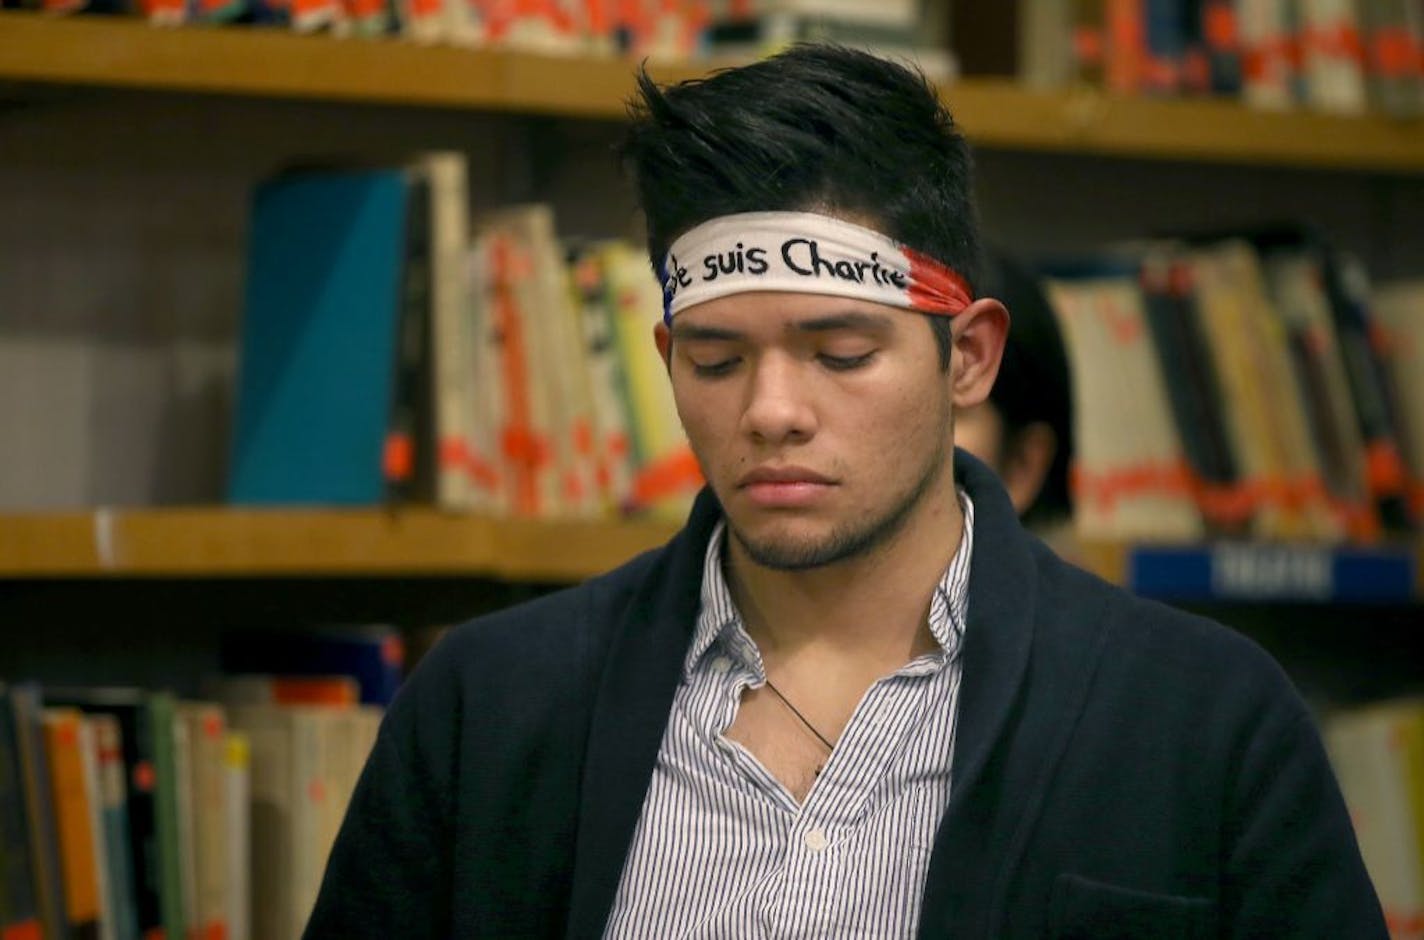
1002, 114
218, 542
118, 53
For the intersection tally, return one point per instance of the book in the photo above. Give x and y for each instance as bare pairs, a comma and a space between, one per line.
667, 476
113, 799
1220, 31
1045, 43
336, 691
1378, 756
1090, 41
26, 707
1296, 285
1333, 56
237, 818
558, 463
373, 655
285, 748
408, 459
131, 710
525, 429
1377, 407
319, 319
1265, 419
73, 822
1399, 318
1393, 31
769, 33
1269, 53
608, 383
1165, 37
19, 901
205, 725
1129, 477
1193, 388
449, 390
186, 849
93, 798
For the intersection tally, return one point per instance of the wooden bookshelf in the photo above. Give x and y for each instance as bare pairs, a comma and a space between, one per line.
37, 50
220, 542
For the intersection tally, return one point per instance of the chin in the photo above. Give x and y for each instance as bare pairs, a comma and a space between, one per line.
782, 548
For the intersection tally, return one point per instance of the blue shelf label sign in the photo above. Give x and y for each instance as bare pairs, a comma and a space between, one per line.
1247, 571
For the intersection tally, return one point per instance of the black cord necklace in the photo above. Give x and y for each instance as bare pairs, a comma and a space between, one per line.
797, 712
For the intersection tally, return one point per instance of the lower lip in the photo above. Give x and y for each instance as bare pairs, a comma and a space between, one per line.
785, 495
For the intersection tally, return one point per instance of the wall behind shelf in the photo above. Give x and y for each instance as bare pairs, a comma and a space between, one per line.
123, 235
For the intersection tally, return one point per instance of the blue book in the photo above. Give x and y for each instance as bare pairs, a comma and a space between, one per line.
372, 654
319, 338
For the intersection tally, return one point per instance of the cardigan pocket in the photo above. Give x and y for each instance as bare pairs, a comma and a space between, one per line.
1083, 909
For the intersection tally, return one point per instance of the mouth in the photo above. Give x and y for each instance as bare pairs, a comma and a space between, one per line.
784, 487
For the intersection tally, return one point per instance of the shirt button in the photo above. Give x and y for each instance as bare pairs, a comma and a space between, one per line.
815, 840
721, 664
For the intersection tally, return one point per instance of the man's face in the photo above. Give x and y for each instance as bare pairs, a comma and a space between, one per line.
822, 424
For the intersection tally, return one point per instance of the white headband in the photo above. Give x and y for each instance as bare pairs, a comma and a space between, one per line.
807, 253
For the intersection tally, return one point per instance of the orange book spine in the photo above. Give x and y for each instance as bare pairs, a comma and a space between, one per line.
71, 810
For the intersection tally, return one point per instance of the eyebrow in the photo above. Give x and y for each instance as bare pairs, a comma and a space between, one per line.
866, 322
870, 322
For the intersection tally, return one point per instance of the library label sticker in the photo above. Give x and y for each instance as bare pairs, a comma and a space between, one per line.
1248, 571
1271, 571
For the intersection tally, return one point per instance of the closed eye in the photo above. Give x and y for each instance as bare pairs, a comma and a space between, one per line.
712, 370
845, 363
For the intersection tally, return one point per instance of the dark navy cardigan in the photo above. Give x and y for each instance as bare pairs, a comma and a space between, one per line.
1122, 769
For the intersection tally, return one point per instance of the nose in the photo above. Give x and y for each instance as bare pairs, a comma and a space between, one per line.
778, 408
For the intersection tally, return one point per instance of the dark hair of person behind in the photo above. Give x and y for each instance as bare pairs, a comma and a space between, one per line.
819, 128
1034, 382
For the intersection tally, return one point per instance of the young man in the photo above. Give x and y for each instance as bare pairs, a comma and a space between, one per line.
852, 697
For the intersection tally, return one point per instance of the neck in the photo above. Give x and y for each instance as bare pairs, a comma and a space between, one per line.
871, 609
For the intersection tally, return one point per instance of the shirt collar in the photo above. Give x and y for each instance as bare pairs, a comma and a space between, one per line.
718, 618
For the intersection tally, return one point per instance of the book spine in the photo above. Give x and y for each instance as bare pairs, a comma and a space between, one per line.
72, 821
161, 710
27, 706
237, 817
108, 739
93, 798
407, 456
18, 900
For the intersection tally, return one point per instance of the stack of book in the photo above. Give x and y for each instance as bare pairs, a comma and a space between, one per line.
392, 352
1338, 56
655, 28
1243, 386
128, 813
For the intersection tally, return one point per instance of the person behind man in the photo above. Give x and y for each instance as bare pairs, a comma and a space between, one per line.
1024, 429
851, 697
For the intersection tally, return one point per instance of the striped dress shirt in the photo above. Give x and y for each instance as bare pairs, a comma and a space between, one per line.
722, 849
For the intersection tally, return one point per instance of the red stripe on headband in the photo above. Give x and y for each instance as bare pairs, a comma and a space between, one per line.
935, 288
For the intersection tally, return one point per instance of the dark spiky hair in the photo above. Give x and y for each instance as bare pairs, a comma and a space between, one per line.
817, 127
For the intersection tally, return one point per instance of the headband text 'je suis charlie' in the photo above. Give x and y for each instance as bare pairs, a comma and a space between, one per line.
804, 252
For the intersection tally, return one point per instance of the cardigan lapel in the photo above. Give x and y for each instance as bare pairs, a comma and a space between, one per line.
630, 715
997, 641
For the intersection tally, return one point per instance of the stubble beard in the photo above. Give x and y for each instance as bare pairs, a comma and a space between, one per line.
849, 540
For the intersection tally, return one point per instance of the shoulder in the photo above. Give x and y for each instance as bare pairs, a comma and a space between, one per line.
1152, 644
555, 630
546, 649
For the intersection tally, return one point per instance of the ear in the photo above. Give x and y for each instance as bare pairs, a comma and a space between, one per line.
978, 335
1028, 455
662, 337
